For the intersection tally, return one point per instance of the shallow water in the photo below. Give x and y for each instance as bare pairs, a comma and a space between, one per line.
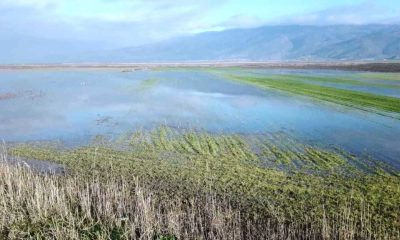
369, 85
75, 106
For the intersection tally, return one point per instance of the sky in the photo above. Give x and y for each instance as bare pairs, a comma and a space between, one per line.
120, 23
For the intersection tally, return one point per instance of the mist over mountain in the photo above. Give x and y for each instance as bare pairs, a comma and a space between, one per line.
337, 42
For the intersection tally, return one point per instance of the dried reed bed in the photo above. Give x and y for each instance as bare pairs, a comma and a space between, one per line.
110, 206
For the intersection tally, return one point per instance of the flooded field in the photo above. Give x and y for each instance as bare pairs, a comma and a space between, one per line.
75, 106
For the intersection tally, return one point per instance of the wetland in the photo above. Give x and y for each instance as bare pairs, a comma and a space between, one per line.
201, 153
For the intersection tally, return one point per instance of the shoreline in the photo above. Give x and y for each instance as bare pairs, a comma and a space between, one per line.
380, 66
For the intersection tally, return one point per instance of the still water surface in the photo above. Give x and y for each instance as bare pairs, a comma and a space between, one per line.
75, 106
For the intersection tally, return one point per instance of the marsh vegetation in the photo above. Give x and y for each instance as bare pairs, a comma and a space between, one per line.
190, 185
356, 99
272, 155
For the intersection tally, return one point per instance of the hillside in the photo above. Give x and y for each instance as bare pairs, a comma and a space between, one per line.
370, 42
340, 42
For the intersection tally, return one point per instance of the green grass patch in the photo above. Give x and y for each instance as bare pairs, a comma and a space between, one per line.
365, 101
327, 79
380, 76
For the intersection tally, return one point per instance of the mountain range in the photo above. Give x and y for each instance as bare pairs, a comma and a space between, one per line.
268, 43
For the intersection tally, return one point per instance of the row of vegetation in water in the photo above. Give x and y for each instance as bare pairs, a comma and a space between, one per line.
385, 105
382, 76
345, 80
349, 77
170, 184
313, 86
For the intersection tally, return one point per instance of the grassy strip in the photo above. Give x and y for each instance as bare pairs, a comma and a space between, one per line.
306, 193
381, 76
360, 100
358, 81
322, 79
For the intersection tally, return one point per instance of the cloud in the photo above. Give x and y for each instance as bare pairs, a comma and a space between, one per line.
239, 21
366, 12
28, 3
119, 22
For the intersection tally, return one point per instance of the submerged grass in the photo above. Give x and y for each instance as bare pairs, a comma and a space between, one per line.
148, 84
194, 185
381, 76
328, 79
389, 106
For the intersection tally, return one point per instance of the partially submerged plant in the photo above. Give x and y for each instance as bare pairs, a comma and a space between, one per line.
295, 188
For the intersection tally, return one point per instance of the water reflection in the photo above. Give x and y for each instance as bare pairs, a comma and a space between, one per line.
75, 106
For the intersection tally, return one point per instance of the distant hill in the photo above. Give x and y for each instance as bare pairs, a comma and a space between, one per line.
339, 42
369, 42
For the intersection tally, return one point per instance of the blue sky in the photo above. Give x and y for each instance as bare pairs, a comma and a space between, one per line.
134, 22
